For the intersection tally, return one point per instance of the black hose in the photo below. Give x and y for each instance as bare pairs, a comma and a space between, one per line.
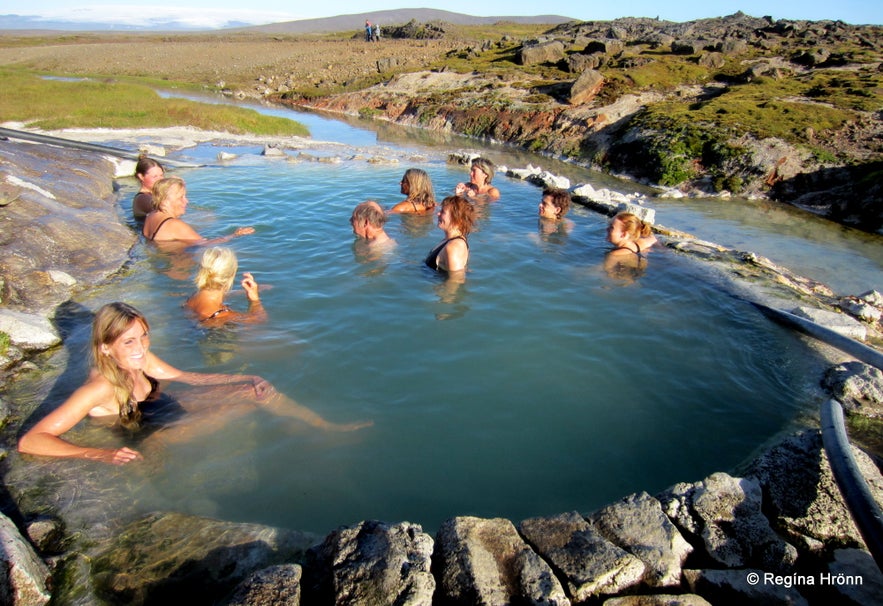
104, 149
864, 509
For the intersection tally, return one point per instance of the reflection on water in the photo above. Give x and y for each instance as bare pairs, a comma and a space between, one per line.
537, 385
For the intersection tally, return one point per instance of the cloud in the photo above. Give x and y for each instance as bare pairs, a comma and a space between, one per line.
148, 15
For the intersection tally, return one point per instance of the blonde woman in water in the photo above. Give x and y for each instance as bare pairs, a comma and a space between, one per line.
217, 271
417, 186
124, 387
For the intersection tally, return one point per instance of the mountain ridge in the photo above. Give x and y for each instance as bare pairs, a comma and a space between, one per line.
354, 21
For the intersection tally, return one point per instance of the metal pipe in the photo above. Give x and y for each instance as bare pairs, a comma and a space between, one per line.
861, 503
94, 147
858, 350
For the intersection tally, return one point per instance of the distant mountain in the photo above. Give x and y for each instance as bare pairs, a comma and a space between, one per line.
36, 24
305, 26
400, 16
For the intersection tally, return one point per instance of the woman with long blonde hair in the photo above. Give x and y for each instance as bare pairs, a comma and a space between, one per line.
417, 186
125, 383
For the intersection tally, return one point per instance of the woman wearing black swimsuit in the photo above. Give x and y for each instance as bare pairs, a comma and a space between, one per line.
631, 238
126, 373
164, 223
629, 234
148, 171
217, 270
457, 219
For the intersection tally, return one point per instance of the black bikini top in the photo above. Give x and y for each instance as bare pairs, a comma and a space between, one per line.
158, 227
432, 257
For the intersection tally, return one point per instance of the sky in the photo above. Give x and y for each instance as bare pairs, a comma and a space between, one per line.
216, 13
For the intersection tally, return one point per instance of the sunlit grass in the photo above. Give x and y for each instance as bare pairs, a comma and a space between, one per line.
51, 104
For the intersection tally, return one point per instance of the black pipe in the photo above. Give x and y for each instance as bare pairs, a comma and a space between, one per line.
858, 350
103, 149
864, 509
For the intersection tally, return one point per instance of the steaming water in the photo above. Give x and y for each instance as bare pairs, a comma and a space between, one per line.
540, 385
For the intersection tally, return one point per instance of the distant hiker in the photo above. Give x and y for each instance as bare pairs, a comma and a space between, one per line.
368, 31
376, 32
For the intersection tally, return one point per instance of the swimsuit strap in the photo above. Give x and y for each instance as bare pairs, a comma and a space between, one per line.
161, 223
219, 312
154, 388
432, 258
637, 246
414, 204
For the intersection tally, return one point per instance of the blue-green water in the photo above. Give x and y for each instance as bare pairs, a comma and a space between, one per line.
540, 385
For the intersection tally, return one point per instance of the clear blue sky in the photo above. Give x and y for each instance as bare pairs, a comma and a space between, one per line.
213, 13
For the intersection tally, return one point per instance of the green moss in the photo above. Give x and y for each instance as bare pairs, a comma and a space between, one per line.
369, 113
4, 343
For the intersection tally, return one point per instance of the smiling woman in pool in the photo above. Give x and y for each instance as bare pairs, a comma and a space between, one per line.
164, 224
125, 382
456, 218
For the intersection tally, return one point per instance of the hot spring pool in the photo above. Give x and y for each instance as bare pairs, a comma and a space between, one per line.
541, 385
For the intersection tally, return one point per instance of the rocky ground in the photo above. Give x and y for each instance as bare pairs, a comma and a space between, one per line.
739, 104
731, 525
254, 63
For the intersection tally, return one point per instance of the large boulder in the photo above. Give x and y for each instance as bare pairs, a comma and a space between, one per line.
724, 514
23, 575
61, 228
746, 586
274, 586
372, 563
638, 525
857, 386
480, 561
802, 497
551, 51
586, 86
176, 558
590, 565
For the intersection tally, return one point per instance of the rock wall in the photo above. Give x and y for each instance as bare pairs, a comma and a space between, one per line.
779, 533
590, 114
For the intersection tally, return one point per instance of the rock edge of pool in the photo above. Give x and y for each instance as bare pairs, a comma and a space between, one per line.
778, 531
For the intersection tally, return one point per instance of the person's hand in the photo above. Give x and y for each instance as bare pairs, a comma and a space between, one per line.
460, 189
121, 456
243, 231
262, 388
250, 286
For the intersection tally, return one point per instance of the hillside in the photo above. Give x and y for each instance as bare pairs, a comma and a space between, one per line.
733, 105
356, 22
786, 110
